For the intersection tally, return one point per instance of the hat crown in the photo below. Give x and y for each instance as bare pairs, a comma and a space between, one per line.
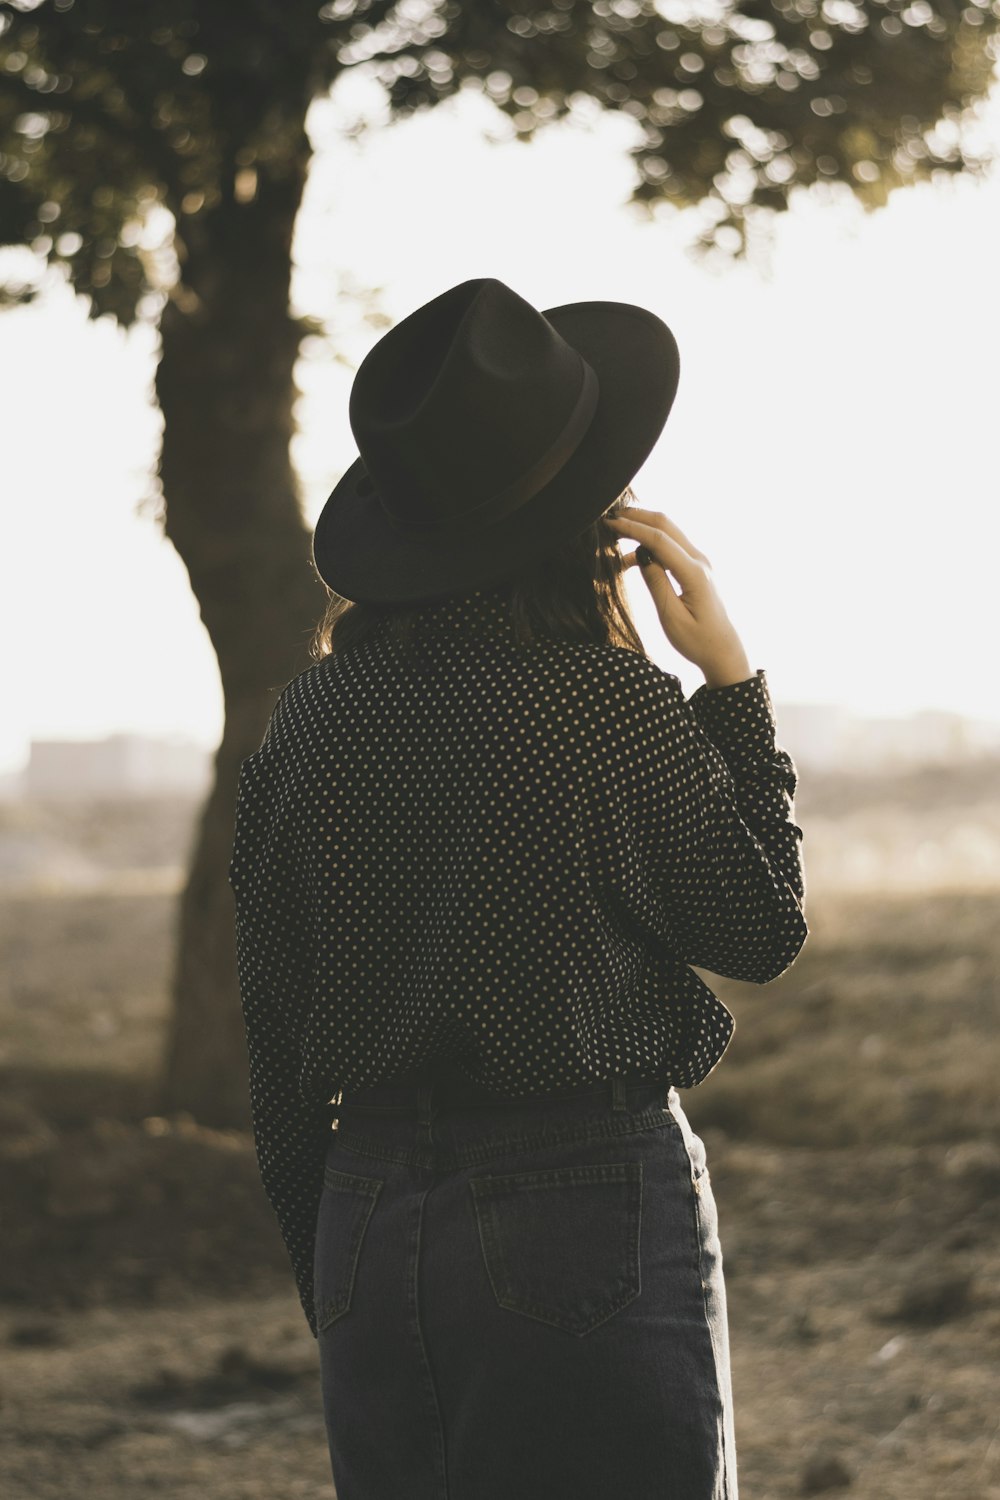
489, 433
468, 406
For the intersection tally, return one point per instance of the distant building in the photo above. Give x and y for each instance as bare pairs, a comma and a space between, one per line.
821, 735
11, 785
832, 738
814, 734
121, 765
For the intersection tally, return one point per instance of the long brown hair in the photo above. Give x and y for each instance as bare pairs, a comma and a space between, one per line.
572, 593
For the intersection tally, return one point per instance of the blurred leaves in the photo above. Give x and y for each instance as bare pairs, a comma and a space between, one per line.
112, 114
127, 133
737, 105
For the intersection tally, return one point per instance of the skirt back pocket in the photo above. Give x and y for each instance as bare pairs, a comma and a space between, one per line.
562, 1244
345, 1207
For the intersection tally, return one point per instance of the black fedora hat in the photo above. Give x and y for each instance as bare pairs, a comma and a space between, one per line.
489, 433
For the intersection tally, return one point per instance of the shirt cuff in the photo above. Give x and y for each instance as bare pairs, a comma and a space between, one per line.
738, 718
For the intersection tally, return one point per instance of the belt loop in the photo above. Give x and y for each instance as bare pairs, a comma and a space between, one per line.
424, 1103
618, 1099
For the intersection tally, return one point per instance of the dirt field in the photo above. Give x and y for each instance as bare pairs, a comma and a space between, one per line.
151, 1337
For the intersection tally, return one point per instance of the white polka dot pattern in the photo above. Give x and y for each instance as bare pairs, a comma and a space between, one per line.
509, 854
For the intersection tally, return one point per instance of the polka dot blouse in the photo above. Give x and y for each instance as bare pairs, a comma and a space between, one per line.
508, 854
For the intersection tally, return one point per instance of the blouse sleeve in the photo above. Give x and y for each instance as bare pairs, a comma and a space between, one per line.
720, 850
274, 961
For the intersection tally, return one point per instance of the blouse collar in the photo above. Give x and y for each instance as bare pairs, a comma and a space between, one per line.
487, 608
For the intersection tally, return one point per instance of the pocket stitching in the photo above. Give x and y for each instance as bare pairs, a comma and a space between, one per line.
328, 1311
485, 1191
621, 1171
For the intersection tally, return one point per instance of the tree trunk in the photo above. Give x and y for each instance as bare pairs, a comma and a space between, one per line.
226, 392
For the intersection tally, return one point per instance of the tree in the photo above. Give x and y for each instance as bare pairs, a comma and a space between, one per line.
112, 113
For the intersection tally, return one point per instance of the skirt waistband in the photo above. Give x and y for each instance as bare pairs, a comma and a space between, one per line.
429, 1091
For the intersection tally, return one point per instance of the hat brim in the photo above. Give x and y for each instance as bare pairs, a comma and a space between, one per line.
359, 554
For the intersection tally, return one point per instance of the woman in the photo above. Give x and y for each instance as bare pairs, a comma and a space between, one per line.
482, 843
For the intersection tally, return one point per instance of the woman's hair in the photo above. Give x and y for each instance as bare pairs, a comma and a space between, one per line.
574, 592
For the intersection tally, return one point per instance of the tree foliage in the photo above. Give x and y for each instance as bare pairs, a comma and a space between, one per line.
109, 109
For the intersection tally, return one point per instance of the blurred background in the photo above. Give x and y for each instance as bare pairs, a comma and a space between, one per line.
207, 217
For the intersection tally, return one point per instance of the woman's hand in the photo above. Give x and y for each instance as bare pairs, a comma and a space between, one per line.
695, 620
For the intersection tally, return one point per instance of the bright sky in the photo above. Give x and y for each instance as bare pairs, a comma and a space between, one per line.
832, 445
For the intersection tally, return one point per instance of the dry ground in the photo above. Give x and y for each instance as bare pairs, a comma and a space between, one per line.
151, 1338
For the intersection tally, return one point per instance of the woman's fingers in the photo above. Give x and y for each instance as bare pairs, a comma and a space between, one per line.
670, 605
688, 570
657, 518
694, 620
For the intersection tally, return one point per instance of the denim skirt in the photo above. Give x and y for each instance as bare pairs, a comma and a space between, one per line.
522, 1299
